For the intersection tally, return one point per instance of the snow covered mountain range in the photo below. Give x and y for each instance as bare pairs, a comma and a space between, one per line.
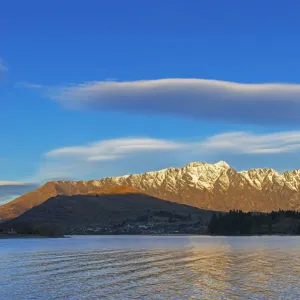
208, 186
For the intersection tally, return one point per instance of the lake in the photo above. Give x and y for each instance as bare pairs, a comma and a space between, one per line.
150, 267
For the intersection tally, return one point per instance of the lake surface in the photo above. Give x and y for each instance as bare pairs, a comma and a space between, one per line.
150, 267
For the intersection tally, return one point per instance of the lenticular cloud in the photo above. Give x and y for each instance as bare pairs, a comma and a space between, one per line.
189, 98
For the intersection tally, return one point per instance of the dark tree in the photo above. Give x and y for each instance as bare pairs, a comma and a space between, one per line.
213, 226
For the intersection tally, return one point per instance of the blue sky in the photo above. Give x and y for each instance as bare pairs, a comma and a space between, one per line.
65, 115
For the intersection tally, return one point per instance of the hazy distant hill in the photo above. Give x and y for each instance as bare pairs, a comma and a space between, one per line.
202, 185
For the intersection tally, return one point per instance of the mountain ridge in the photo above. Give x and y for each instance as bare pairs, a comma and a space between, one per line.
207, 186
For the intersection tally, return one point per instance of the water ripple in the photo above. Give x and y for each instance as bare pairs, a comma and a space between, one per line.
150, 268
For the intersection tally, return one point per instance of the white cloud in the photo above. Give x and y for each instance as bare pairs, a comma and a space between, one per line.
230, 142
106, 158
113, 149
11, 183
195, 98
249, 143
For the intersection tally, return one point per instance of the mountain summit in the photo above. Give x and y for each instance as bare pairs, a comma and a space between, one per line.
202, 185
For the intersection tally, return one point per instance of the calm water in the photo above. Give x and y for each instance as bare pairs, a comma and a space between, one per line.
134, 267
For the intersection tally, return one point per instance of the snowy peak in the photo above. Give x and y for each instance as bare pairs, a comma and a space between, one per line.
222, 164
203, 165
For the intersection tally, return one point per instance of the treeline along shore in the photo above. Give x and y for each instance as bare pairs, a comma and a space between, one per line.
237, 222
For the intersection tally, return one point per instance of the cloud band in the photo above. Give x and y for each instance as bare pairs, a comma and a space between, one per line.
195, 98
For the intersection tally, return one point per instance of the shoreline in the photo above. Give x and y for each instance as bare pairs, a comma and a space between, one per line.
28, 236
19, 236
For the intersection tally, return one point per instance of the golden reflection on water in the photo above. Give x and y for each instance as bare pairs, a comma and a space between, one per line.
225, 272
155, 268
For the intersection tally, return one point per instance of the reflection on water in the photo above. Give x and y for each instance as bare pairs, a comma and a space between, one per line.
129, 267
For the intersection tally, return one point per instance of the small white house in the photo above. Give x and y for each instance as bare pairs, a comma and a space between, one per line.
11, 231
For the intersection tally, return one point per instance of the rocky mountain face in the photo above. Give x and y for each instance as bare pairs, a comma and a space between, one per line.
202, 185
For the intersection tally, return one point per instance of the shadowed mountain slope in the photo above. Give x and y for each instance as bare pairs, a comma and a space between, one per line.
108, 208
